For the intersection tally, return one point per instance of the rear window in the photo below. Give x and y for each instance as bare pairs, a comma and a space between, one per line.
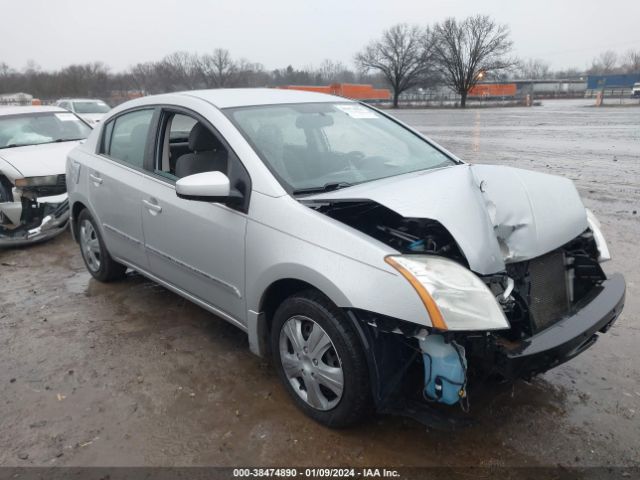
126, 137
90, 107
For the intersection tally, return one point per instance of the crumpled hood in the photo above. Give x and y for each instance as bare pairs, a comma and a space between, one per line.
39, 160
496, 214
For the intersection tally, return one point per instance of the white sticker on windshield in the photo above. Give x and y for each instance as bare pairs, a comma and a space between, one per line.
66, 117
357, 111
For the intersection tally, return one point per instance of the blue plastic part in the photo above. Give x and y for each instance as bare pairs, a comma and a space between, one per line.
445, 370
417, 246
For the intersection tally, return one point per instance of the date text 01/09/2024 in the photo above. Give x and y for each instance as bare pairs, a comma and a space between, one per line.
315, 473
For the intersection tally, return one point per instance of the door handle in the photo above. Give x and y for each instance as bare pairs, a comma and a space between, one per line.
96, 179
75, 171
154, 208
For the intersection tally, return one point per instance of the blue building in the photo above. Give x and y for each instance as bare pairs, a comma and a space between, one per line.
611, 84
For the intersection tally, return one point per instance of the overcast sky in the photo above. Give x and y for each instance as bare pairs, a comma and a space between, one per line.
276, 33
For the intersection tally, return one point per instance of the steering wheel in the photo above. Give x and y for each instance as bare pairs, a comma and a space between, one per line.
354, 157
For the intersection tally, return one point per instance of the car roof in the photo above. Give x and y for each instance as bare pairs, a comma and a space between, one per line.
244, 97
10, 110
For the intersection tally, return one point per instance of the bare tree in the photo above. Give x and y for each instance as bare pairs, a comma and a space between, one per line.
217, 69
5, 70
251, 74
402, 55
568, 73
89, 79
142, 77
6, 77
534, 69
604, 63
179, 71
32, 67
466, 51
632, 61
330, 72
292, 76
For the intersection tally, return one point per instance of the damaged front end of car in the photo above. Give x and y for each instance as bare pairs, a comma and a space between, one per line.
33, 209
519, 311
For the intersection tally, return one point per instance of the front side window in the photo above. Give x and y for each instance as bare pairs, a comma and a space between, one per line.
38, 128
189, 147
128, 137
319, 146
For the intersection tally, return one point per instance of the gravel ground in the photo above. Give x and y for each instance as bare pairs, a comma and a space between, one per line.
131, 374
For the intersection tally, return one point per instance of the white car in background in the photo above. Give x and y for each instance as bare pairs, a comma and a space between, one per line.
636, 89
91, 110
34, 143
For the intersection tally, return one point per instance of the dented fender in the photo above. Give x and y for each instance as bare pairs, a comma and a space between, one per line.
531, 213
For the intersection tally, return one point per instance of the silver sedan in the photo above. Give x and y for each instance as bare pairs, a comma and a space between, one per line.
378, 270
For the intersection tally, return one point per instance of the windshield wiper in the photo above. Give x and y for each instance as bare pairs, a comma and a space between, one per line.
12, 145
327, 187
60, 140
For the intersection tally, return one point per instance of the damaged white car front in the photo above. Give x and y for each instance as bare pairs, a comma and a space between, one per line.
511, 285
34, 143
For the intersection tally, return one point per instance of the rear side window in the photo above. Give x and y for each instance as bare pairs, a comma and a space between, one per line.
126, 137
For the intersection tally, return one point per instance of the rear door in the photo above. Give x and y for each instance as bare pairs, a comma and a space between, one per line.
114, 183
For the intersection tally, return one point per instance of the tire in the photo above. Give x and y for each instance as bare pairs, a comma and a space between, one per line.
94, 252
5, 196
311, 375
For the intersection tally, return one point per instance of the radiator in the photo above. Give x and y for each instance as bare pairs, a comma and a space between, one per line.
548, 296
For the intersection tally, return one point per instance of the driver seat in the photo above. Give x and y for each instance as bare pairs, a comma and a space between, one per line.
208, 154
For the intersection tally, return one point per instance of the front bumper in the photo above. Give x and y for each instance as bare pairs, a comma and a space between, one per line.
570, 336
51, 225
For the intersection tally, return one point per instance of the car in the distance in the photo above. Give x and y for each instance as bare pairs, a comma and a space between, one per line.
34, 143
91, 110
635, 91
376, 268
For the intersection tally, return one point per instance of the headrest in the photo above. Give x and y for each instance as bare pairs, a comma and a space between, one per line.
201, 139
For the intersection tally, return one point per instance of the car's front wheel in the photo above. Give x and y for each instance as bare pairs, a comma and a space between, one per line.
5, 196
320, 360
94, 252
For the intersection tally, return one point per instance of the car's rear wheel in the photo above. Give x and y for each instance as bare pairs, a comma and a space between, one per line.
94, 252
320, 360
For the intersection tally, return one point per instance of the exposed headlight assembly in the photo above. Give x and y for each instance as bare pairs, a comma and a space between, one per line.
455, 298
601, 243
48, 180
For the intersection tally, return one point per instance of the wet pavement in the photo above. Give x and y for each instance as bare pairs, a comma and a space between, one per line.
131, 374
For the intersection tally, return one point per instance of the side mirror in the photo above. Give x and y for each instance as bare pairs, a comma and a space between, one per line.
206, 186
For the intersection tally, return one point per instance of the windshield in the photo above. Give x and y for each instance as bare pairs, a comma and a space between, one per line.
37, 128
90, 107
322, 146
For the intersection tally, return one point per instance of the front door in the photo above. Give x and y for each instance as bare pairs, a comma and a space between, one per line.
196, 246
